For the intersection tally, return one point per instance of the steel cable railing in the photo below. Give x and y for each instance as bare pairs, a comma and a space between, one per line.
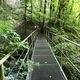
30, 39
23, 61
16, 62
10, 53
50, 37
25, 57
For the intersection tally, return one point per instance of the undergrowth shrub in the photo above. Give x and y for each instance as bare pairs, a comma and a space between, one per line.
72, 52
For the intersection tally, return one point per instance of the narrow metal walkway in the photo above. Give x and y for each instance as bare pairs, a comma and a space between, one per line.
49, 68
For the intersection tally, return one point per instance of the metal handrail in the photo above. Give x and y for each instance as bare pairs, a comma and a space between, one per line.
9, 54
65, 39
26, 54
23, 60
64, 54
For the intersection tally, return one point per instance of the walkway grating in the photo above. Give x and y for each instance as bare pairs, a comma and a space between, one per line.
49, 69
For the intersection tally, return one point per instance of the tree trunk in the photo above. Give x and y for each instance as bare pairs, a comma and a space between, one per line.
61, 12
31, 10
51, 9
0, 2
25, 15
44, 18
40, 7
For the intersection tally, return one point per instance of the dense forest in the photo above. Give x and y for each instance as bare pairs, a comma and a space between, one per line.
17, 21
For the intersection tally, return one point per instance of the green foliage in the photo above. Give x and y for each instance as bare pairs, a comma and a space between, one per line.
4, 25
10, 40
65, 15
72, 33
27, 67
31, 64
72, 52
55, 30
1, 10
67, 48
11, 35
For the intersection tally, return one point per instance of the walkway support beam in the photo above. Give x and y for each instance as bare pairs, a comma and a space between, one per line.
1, 72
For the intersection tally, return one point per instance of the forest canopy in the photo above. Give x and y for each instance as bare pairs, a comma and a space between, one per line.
57, 16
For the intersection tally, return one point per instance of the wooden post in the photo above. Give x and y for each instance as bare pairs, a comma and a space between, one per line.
1, 72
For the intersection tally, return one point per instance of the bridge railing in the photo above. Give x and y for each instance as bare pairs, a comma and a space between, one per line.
31, 40
51, 39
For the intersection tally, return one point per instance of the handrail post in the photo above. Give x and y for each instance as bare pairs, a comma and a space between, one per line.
1, 72
33, 38
48, 36
61, 59
62, 52
52, 40
46, 33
